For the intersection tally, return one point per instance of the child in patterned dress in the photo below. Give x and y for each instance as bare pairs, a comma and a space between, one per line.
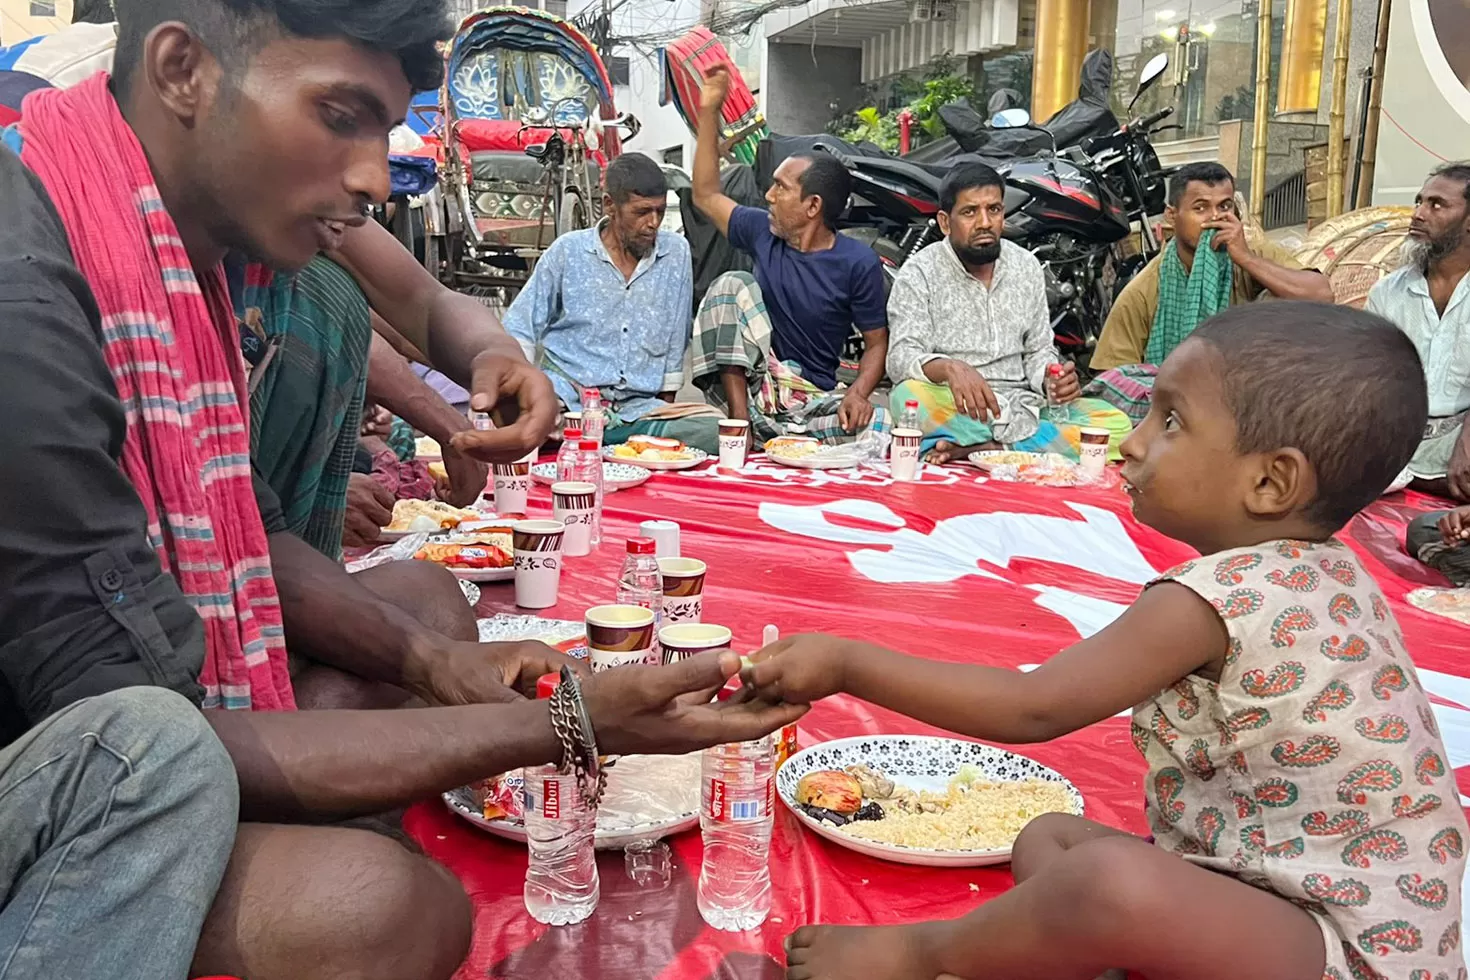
1306, 825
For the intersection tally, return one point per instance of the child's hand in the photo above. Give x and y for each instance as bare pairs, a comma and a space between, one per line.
1455, 526
798, 670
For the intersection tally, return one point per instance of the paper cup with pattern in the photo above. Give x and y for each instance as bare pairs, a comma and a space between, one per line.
572, 505
683, 589
684, 640
537, 562
1094, 452
734, 443
619, 635
512, 484
903, 460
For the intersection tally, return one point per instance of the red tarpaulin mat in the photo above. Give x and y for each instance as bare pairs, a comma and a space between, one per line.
953, 568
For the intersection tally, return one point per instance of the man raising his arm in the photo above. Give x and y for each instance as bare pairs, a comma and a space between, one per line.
767, 347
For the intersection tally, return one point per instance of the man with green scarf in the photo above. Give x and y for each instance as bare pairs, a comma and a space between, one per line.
1207, 266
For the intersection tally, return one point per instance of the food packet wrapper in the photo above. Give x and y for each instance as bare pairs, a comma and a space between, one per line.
786, 745
501, 796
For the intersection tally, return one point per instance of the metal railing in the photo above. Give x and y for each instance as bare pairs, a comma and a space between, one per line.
1286, 203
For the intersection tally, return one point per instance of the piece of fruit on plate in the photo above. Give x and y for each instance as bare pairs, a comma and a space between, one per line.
428, 515
652, 448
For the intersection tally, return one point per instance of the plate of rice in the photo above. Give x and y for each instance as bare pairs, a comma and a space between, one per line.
939, 802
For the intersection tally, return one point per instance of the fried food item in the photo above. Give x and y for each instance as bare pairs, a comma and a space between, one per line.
830, 789
486, 548
653, 449
428, 515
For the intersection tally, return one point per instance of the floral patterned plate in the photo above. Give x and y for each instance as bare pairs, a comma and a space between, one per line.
916, 762
647, 797
692, 457
615, 476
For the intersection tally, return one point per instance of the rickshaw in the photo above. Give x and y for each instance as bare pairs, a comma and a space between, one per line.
528, 124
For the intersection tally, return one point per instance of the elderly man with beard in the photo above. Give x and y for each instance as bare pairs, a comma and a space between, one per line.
608, 308
1429, 299
972, 341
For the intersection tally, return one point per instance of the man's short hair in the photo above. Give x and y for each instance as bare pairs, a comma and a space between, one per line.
234, 30
825, 177
1455, 170
967, 176
1204, 173
1343, 386
634, 175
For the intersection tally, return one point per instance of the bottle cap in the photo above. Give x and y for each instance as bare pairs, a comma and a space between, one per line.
593, 392
571, 435
1054, 369
911, 403
587, 444
642, 546
547, 684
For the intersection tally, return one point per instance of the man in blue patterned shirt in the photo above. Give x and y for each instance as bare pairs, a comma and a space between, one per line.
608, 307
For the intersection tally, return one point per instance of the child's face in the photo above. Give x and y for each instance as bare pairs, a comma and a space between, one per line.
1180, 464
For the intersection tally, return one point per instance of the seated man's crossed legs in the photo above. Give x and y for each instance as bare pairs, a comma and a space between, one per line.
734, 367
950, 434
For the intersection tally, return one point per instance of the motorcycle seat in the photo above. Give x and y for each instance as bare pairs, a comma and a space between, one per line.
923, 174
537, 151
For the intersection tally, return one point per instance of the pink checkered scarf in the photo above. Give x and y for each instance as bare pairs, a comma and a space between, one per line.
170, 340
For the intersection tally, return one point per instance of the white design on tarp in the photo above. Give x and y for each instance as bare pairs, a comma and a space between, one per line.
1098, 543
1088, 616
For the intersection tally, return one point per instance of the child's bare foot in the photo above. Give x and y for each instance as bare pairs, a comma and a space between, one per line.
844, 952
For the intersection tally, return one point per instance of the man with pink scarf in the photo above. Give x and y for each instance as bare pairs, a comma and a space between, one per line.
137, 548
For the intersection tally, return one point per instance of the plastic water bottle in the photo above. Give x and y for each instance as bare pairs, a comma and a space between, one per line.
1056, 412
589, 470
566, 456
561, 875
910, 417
738, 801
592, 415
641, 583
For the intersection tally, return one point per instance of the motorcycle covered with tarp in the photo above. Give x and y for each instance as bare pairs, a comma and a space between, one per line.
528, 124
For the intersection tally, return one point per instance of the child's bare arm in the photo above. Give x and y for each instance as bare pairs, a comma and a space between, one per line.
1167, 634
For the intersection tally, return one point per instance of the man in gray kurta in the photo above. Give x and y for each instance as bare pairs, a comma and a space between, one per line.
971, 339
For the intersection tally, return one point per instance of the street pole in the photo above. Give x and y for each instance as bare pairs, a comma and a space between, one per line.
1336, 119
1263, 108
1368, 142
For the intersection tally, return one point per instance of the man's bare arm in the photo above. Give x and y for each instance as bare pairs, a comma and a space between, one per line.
1284, 283
709, 198
394, 385
874, 363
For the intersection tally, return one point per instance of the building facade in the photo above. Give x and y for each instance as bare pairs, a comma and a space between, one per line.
24, 19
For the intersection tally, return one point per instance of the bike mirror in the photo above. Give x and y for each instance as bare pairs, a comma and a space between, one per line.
1011, 119
1152, 71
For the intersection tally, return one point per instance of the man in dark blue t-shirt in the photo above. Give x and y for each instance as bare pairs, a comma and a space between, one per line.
766, 347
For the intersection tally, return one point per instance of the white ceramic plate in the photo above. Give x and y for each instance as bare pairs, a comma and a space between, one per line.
647, 797
695, 457
917, 762
1012, 457
615, 476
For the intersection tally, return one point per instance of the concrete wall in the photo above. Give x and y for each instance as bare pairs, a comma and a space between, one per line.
1426, 107
17, 23
801, 82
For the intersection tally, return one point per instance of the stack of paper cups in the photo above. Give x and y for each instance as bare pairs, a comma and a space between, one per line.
665, 535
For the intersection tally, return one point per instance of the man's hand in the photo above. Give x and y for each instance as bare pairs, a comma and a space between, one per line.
972, 394
523, 397
716, 87
369, 510
1455, 526
1065, 386
667, 709
855, 411
1229, 234
467, 479
376, 421
798, 670
485, 673
1458, 477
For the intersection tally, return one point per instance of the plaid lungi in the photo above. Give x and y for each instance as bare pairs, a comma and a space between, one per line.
733, 329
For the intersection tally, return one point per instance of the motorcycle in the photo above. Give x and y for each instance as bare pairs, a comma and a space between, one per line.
1073, 208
